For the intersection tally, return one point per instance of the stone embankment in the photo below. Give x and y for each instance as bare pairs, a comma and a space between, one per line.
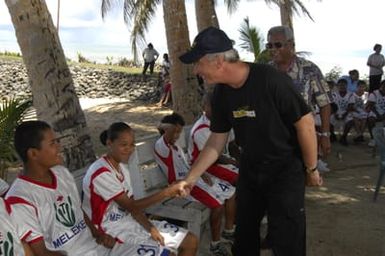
89, 83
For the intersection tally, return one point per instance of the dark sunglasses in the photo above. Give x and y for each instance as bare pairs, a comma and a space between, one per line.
276, 45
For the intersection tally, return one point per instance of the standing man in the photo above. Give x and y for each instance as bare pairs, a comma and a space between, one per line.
275, 129
307, 78
376, 62
150, 55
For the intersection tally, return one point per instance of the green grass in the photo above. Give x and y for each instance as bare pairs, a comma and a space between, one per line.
115, 68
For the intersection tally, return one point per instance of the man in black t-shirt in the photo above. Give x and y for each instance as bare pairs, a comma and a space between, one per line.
274, 128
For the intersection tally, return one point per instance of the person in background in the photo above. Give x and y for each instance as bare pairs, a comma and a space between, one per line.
150, 55
307, 80
165, 97
165, 68
275, 129
376, 62
376, 108
352, 80
360, 115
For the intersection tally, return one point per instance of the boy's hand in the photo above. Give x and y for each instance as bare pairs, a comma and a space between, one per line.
106, 240
155, 234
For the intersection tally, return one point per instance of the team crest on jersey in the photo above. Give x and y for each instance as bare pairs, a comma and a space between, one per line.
6, 244
64, 211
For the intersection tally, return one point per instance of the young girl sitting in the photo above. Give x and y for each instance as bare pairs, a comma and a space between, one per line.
109, 201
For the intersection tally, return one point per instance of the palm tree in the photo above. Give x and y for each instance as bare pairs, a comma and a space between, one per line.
50, 79
205, 14
185, 87
287, 9
251, 39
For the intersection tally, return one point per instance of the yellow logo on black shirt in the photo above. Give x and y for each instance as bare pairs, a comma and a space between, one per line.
243, 112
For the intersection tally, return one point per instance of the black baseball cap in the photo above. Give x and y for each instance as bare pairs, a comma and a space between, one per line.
209, 40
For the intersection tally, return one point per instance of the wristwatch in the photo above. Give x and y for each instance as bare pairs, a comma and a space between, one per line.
310, 170
324, 134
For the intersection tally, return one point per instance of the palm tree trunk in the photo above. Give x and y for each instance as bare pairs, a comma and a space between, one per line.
184, 84
286, 10
205, 14
50, 79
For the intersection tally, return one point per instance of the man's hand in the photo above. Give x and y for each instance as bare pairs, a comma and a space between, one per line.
314, 179
184, 188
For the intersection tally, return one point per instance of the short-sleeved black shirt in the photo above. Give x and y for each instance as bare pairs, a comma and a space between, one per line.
262, 112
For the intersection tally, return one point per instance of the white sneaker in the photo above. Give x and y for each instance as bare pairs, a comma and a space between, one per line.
322, 166
372, 143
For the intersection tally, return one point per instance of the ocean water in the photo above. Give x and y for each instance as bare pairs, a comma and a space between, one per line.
92, 51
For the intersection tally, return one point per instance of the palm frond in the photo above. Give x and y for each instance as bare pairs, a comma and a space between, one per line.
11, 114
250, 38
232, 5
299, 8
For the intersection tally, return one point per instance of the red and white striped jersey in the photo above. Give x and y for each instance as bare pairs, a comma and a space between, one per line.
52, 212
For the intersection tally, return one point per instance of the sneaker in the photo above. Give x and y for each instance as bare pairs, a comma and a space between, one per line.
220, 249
372, 143
228, 236
322, 166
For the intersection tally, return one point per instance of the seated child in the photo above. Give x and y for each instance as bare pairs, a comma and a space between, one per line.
211, 191
10, 243
3, 187
109, 201
45, 201
360, 115
343, 115
225, 168
376, 108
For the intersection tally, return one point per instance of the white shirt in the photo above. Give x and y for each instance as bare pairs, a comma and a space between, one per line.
378, 100
52, 212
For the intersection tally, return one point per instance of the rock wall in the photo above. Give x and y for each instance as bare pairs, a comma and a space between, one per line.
89, 82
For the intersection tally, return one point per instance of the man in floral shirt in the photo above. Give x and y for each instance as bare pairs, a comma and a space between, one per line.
307, 77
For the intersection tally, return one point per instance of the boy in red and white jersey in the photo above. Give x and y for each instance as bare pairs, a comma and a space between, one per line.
225, 168
109, 201
211, 191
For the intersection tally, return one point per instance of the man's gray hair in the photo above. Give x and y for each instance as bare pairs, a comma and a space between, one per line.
229, 56
283, 30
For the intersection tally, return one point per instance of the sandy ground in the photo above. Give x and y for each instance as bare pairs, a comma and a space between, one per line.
342, 218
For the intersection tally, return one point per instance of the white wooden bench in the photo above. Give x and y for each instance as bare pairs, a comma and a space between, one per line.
147, 178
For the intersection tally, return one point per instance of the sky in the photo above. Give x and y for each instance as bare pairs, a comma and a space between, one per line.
343, 32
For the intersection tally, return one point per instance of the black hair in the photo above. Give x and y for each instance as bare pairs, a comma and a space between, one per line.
113, 132
342, 80
29, 135
361, 82
165, 56
377, 46
150, 45
174, 119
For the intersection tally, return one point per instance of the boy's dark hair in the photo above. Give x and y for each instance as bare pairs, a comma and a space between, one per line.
29, 135
342, 80
174, 119
361, 82
113, 132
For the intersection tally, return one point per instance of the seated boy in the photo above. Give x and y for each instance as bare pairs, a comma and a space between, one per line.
343, 115
225, 168
376, 108
214, 193
360, 115
45, 201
